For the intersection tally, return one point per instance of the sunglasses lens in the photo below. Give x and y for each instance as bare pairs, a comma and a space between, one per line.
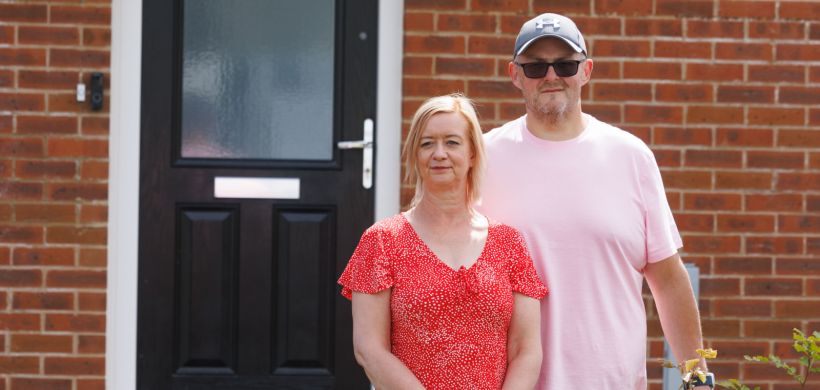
566, 68
536, 70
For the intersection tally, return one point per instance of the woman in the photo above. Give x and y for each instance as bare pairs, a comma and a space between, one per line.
443, 297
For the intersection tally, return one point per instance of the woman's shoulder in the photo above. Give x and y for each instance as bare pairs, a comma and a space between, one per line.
388, 227
500, 229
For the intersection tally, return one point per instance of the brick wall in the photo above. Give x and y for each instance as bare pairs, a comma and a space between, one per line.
53, 190
727, 94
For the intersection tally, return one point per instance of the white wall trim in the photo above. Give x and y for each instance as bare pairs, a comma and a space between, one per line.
123, 182
123, 195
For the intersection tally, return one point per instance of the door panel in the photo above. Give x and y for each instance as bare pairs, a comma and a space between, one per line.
241, 293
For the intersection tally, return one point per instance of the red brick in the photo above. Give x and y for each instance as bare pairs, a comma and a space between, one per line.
84, 279
75, 323
775, 160
744, 137
719, 286
21, 234
814, 76
812, 245
44, 256
711, 201
745, 223
652, 71
624, 7
683, 8
798, 223
41, 35
813, 287
464, 66
98, 37
6, 124
745, 94
798, 52
78, 191
512, 110
598, 25
80, 15
777, 73
683, 136
800, 10
45, 213
94, 214
642, 132
21, 190
500, 5
786, 350
79, 58
686, 179
799, 95
468, 23
774, 245
91, 344
798, 181
814, 160
677, 49
774, 30
720, 328
743, 265
21, 101
94, 125
743, 180
43, 169
19, 321
667, 158
654, 114
737, 349
713, 29
22, 57
7, 36
20, 364
711, 244
74, 366
776, 202
773, 287
604, 112
620, 48
797, 309
20, 278
493, 89
491, 45
776, 116
683, 92
434, 44
511, 24
622, 91
95, 170
42, 343
713, 158
74, 147
418, 21
654, 27
563, 6
46, 124
435, 4
428, 87
743, 308
92, 301
799, 267
719, 72
90, 384
812, 203
695, 222
743, 51
75, 235
43, 301
714, 114
5, 215
27, 13
746, 9
40, 384
814, 31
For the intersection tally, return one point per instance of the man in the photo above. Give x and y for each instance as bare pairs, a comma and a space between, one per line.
589, 200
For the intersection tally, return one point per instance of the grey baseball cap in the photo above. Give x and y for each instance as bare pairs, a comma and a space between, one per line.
550, 25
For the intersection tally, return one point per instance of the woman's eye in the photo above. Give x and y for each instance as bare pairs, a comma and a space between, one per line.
452, 143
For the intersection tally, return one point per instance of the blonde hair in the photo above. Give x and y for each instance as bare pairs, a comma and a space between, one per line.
445, 104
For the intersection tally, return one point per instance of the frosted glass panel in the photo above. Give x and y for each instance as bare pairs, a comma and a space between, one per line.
257, 79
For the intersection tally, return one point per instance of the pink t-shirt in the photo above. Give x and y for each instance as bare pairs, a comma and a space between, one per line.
593, 212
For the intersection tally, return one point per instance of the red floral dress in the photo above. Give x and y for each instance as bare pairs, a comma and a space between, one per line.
448, 327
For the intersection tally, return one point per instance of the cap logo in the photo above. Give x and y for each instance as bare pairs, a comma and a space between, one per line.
551, 25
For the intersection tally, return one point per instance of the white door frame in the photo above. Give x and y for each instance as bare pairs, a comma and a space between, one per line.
124, 163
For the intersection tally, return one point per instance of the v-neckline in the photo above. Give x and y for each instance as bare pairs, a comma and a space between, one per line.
480, 255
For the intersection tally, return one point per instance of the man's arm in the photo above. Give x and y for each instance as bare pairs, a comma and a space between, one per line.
677, 308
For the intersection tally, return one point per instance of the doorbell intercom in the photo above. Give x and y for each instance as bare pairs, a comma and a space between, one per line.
96, 91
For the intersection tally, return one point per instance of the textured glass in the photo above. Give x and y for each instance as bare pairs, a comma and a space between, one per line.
257, 79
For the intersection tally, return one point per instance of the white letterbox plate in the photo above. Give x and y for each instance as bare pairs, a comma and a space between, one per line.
256, 187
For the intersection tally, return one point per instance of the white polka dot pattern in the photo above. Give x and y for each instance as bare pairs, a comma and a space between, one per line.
448, 327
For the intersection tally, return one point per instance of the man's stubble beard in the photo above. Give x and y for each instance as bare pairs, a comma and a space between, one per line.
551, 113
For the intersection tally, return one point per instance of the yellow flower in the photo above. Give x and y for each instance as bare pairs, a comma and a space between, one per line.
709, 353
701, 376
687, 376
690, 364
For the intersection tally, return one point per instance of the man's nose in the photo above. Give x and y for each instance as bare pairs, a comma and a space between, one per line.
551, 75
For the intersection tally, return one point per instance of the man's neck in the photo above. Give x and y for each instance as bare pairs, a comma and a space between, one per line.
562, 129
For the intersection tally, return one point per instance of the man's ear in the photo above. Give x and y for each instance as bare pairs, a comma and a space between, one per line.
587, 71
514, 75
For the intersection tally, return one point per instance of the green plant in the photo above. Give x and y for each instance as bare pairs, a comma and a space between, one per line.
688, 370
805, 345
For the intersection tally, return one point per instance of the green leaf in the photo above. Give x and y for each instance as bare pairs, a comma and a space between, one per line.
816, 334
799, 348
815, 369
804, 361
727, 385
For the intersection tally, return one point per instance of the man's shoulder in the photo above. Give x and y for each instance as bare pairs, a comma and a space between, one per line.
507, 132
615, 137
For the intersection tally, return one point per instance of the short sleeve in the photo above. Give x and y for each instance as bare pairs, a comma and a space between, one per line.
368, 271
662, 237
523, 277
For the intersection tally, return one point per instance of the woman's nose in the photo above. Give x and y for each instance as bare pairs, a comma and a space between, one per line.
439, 152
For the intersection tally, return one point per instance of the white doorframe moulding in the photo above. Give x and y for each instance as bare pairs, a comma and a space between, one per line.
123, 171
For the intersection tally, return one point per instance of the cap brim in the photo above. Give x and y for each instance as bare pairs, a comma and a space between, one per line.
570, 43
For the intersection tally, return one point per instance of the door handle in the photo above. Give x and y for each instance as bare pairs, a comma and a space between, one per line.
367, 145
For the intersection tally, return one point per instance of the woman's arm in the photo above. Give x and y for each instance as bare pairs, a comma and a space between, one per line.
371, 343
523, 344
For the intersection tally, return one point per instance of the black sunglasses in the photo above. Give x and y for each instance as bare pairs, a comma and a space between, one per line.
537, 70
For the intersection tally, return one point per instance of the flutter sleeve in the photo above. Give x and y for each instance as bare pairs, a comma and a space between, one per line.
523, 277
368, 271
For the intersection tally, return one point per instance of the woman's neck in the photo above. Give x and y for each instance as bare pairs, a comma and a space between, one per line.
443, 206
